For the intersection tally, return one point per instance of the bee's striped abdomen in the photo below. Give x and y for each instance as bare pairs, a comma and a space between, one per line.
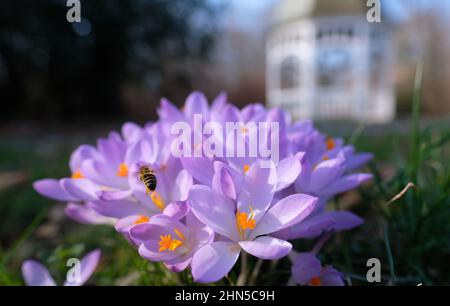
148, 178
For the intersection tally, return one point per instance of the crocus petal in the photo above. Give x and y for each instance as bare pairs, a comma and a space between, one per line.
52, 189
82, 189
82, 153
346, 183
288, 170
219, 102
85, 215
287, 212
178, 267
182, 184
177, 210
114, 195
305, 267
331, 277
266, 247
213, 261
357, 160
309, 228
214, 210
149, 250
345, 220
223, 183
168, 111
196, 103
119, 208
326, 172
258, 189
201, 169
87, 267
132, 132
35, 274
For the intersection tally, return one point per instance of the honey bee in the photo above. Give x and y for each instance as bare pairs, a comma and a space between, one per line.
148, 178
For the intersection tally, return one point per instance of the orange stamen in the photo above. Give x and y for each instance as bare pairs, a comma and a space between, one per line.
167, 243
77, 175
246, 168
157, 200
122, 171
330, 143
315, 281
245, 222
141, 219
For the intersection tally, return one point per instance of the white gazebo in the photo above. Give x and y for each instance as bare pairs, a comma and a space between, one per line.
325, 61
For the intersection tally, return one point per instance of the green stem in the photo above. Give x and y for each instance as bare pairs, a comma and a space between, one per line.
242, 279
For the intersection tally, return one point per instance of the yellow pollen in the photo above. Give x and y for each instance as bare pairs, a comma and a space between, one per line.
330, 143
245, 222
141, 219
167, 243
77, 175
122, 170
246, 168
157, 200
315, 281
325, 157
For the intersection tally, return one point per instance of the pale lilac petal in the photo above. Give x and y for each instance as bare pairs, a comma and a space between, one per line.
169, 112
158, 225
266, 247
52, 189
305, 267
182, 184
82, 189
144, 150
82, 153
223, 183
114, 195
35, 274
87, 267
345, 220
132, 132
213, 261
177, 210
219, 102
196, 103
326, 172
258, 189
201, 169
124, 225
214, 210
310, 228
288, 170
119, 208
287, 212
85, 215
178, 267
346, 183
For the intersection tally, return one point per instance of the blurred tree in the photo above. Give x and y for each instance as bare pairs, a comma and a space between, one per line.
53, 69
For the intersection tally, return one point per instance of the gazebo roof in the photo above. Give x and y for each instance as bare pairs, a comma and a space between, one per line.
291, 10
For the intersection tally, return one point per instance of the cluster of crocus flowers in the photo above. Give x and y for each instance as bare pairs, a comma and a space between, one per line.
206, 210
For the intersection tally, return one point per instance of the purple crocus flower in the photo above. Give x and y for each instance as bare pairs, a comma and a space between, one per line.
245, 222
328, 178
166, 239
35, 274
307, 270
